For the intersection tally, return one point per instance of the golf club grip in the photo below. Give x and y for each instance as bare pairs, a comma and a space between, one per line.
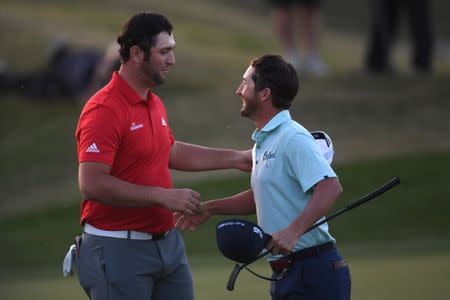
375, 193
233, 276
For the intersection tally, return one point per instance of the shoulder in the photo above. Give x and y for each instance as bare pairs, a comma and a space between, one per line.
159, 104
157, 100
291, 131
105, 105
296, 138
109, 97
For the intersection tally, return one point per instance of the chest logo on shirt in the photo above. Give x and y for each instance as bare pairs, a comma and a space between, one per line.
163, 122
135, 126
268, 156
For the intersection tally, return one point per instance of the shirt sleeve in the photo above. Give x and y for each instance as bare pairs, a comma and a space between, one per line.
306, 161
98, 135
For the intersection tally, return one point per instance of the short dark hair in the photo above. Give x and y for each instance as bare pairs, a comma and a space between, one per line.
141, 30
271, 71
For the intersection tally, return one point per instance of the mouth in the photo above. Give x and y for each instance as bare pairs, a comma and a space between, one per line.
244, 106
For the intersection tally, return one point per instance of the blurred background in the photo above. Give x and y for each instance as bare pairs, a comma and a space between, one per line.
383, 124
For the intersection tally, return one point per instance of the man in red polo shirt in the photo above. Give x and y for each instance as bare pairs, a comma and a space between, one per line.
130, 249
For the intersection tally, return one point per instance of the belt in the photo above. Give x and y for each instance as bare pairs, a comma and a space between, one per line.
284, 263
123, 234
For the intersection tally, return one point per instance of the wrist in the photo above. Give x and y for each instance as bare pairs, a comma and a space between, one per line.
156, 196
204, 208
243, 160
295, 229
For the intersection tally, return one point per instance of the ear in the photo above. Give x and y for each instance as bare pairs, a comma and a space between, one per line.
265, 94
136, 54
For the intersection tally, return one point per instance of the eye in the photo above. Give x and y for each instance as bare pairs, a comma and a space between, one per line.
167, 50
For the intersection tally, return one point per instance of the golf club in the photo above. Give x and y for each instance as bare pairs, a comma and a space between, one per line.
375, 193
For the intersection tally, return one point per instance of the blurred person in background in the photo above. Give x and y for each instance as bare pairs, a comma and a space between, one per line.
297, 25
383, 32
130, 248
292, 187
70, 73
104, 68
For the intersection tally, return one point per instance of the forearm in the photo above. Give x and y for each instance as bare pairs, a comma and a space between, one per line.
325, 195
97, 184
188, 157
239, 204
114, 191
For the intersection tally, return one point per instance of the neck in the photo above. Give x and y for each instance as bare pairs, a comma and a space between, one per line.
133, 78
265, 117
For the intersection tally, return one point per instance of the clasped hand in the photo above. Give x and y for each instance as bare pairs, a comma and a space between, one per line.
191, 222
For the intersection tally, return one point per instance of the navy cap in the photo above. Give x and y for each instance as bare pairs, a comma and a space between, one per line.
240, 240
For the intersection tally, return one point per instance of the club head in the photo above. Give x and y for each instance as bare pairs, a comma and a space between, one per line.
233, 276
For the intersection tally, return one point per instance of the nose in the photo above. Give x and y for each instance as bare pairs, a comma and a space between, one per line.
171, 58
239, 90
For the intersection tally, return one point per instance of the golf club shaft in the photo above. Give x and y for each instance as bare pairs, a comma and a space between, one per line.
375, 193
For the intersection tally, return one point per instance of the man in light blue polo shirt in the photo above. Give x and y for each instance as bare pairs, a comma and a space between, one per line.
292, 187
287, 164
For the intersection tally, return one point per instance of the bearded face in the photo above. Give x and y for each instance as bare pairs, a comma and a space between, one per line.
162, 58
249, 106
246, 91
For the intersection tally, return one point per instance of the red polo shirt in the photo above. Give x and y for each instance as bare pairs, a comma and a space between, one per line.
118, 128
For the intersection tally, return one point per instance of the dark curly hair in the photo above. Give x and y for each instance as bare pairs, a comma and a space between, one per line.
141, 30
271, 71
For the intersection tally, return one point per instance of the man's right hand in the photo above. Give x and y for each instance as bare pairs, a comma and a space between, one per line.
185, 222
185, 201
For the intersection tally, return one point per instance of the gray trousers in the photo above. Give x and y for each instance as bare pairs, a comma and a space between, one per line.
119, 269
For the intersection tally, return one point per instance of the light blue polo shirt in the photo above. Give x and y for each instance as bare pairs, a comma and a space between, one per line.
287, 164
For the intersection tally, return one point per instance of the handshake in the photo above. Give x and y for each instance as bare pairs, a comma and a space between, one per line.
190, 222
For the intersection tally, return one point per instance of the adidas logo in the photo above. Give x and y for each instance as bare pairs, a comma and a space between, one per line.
93, 148
163, 122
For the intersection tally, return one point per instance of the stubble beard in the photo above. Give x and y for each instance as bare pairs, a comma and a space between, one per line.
157, 79
153, 76
249, 108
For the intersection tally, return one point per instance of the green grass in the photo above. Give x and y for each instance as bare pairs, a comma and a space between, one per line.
386, 277
415, 210
397, 245
389, 277
366, 116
